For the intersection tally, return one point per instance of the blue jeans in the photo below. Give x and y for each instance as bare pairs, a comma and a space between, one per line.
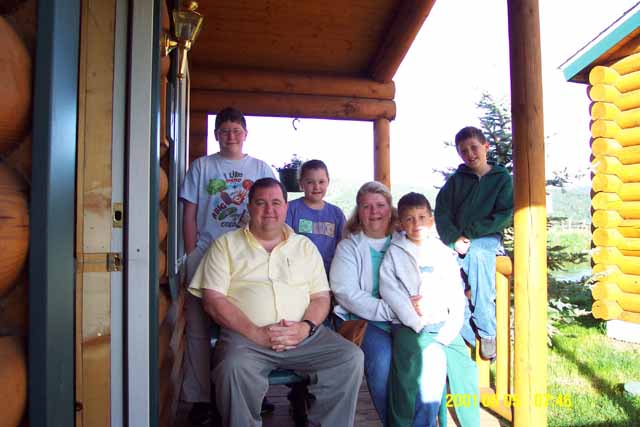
479, 264
376, 347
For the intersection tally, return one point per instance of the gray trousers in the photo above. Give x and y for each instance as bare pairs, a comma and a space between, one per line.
197, 354
333, 365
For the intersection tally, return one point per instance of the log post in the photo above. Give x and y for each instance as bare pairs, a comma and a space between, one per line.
530, 218
198, 128
381, 152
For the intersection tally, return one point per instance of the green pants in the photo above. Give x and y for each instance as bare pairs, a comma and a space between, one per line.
419, 367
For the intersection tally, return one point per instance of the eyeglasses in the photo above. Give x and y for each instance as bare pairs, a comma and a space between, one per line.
227, 132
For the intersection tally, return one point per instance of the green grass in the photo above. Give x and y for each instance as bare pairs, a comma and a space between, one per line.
591, 369
583, 363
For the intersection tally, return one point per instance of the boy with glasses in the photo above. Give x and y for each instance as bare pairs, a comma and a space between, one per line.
214, 196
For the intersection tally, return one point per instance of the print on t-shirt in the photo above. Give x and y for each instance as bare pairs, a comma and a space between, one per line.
323, 228
229, 195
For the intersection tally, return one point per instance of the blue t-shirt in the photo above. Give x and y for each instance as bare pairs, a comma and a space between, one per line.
323, 226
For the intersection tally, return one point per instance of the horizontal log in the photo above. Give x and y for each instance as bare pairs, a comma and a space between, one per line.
613, 202
610, 310
610, 165
609, 255
248, 80
629, 155
607, 273
613, 237
611, 292
627, 64
303, 106
608, 111
610, 129
607, 93
629, 191
608, 76
612, 219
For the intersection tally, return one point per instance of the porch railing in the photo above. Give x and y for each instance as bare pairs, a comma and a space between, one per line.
500, 398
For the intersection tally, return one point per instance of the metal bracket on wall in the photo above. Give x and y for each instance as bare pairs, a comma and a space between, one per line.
114, 261
118, 215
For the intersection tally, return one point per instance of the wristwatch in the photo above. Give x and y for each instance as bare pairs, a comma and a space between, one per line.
312, 326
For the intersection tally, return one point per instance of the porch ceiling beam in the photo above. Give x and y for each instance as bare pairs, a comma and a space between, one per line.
287, 105
252, 80
404, 29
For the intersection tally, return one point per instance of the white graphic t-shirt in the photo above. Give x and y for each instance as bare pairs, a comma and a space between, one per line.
220, 188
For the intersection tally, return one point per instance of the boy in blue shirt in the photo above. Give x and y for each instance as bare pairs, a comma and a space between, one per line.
314, 218
472, 209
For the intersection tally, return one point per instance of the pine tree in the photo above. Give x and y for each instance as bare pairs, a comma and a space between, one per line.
495, 123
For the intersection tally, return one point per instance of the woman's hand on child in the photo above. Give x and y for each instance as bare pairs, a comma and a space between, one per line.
415, 302
462, 245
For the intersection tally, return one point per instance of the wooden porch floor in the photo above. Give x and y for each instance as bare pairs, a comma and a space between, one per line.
366, 415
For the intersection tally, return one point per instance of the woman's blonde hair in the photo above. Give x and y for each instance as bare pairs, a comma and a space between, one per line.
354, 225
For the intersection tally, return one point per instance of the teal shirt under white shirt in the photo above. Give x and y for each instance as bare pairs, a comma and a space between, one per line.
377, 249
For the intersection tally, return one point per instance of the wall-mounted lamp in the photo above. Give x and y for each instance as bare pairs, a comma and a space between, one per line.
187, 24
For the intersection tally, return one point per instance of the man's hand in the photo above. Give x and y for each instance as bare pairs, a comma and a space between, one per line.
286, 334
261, 335
462, 245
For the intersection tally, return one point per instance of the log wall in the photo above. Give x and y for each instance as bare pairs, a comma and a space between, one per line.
615, 129
17, 30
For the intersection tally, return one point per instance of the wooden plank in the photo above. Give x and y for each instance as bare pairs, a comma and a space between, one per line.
382, 151
404, 29
93, 211
96, 405
330, 36
252, 80
78, 346
530, 219
307, 106
97, 55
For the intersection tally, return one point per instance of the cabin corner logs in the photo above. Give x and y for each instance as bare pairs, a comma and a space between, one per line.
17, 30
615, 128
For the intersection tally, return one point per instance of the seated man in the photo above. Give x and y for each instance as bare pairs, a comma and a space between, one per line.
267, 289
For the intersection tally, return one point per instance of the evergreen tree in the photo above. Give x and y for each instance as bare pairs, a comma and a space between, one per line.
495, 123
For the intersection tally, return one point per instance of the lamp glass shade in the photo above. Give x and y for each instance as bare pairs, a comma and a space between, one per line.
187, 24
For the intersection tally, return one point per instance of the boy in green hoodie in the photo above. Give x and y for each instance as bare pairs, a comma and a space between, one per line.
472, 209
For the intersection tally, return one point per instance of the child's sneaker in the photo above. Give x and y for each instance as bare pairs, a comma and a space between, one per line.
488, 348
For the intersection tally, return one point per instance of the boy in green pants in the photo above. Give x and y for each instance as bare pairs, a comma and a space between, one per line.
420, 280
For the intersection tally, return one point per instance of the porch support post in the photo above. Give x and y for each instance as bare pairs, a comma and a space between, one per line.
381, 151
530, 213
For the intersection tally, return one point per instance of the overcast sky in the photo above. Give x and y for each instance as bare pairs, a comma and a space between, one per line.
461, 51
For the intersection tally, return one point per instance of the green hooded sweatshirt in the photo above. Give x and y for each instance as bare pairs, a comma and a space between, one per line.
473, 206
